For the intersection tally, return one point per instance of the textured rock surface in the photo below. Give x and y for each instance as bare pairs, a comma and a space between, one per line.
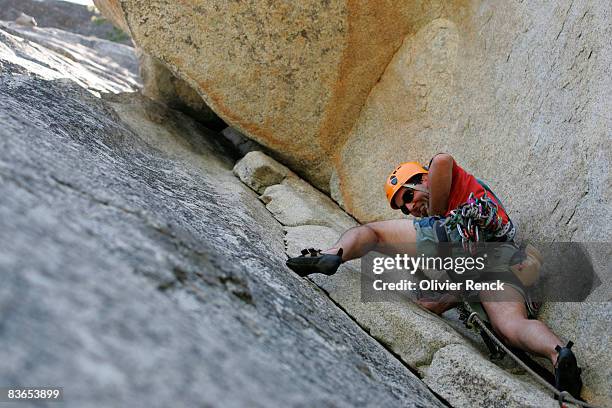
259, 171
293, 78
462, 376
295, 202
589, 326
138, 271
95, 64
451, 359
63, 15
517, 91
161, 85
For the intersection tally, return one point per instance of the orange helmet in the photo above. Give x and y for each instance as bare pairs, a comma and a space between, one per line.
401, 174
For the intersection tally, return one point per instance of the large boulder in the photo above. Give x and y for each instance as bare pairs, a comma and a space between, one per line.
138, 271
342, 91
293, 77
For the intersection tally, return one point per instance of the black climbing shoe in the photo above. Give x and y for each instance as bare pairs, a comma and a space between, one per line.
567, 372
313, 261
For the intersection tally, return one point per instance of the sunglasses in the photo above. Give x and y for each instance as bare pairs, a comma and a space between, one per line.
408, 196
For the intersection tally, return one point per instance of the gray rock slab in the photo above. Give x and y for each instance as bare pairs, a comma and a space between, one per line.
97, 65
588, 325
259, 171
68, 16
461, 375
294, 202
138, 271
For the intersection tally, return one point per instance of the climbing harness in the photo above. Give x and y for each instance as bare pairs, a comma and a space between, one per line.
470, 313
477, 220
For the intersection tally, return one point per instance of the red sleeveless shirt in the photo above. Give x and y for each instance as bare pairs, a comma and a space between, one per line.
462, 184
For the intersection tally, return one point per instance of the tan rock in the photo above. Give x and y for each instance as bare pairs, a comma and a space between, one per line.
294, 78
112, 10
352, 88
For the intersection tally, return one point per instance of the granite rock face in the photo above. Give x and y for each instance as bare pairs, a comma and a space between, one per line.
516, 92
99, 66
451, 359
138, 271
343, 91
259, 171
162, 85
293, 77
462, 376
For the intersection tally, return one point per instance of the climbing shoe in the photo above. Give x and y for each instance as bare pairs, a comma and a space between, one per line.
567, 372
313, 261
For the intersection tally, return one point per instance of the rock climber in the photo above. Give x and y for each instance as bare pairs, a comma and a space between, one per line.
435, 196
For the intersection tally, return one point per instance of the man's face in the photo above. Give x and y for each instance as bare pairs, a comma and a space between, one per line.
420, 200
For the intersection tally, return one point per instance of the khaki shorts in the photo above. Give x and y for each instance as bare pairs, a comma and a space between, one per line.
427, 245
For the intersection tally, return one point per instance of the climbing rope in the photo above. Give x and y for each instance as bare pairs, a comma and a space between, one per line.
478, 220
561, 396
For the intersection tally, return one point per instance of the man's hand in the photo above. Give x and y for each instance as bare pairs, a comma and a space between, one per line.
440, 178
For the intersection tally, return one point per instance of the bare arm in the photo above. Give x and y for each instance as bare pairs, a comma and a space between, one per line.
388, 237
440, 179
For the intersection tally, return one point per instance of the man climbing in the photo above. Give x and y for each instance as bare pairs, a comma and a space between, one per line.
436, 197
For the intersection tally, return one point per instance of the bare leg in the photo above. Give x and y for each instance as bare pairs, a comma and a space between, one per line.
439, 306
509, 319
388, 237
391, 238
